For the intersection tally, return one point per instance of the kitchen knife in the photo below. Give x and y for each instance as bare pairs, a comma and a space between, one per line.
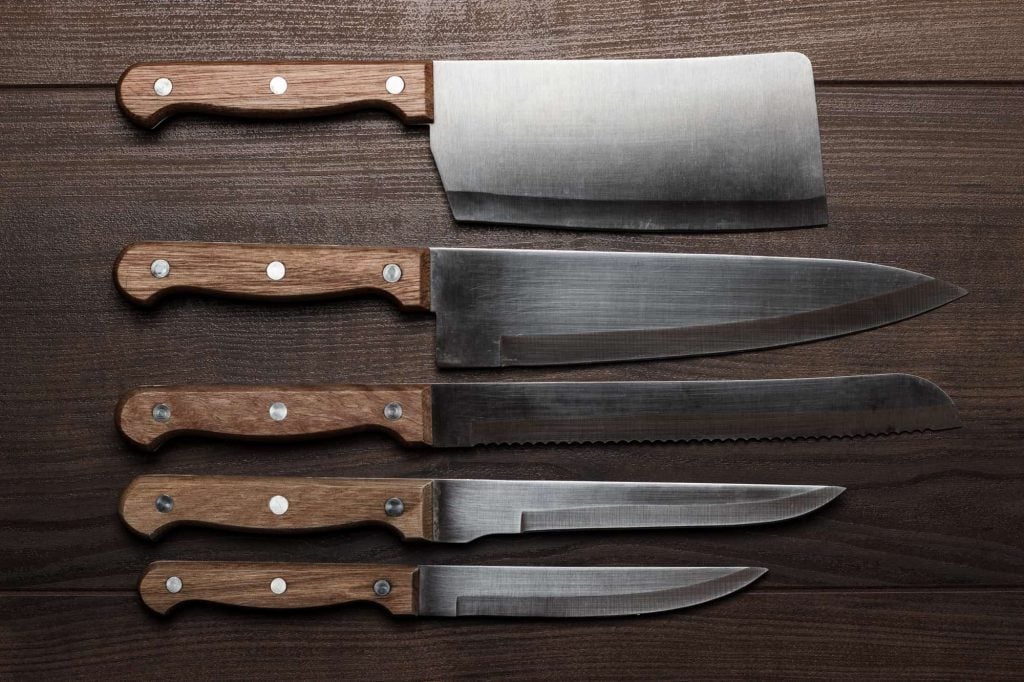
539, 591
462, 415
720, 143
453, 510
500, 307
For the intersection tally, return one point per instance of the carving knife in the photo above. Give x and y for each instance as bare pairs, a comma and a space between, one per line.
719, 143
453, 510
538, 591
467, 414
501, 307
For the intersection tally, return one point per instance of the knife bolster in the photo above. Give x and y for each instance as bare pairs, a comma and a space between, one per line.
149, 416
165, 584
148, 94
147, 271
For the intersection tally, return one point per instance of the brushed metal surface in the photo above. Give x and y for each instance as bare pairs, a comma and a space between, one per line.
568, 592
502, 307
720, 143
467, 509
587, 412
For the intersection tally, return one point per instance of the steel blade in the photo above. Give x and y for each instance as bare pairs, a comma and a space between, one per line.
584, 412
499, 307
468, 509
569, 592
719, 143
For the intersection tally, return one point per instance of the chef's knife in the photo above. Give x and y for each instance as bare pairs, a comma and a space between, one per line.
720, 143
500, 307
539, 591
462, 415
453, 510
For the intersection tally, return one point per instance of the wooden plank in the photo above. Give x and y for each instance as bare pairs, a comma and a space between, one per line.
926, 178
762, 633
67, 42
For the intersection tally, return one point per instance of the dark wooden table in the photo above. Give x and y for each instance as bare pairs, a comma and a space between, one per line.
918, 571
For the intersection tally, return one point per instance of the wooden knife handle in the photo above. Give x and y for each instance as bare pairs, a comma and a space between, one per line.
151, 504
149, 416
166, 584
146, 271
150, 93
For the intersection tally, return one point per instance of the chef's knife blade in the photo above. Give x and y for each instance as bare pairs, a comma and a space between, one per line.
463, 415
453, 510
502, 307
538, 591
720, 143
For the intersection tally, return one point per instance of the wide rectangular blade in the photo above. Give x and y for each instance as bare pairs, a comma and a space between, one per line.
571, 592
467, 509
584, 412
502, 307
721, 143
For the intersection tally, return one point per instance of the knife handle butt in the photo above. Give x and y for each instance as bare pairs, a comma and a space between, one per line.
147, 271
150, 93
151, 415
165, 584
152, 504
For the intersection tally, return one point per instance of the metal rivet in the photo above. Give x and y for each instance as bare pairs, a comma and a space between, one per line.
162, 86
159, 268
393, 411
278, 504
382, 588
173, 584
275, 270
392, 273
278, 586
278, 411
164, 503
161, 413
394, 85
394, 506
278, 85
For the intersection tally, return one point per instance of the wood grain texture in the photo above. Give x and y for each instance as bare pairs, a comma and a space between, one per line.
242, 270
244, 89
65, 42
241, 502
306, 585
247, 412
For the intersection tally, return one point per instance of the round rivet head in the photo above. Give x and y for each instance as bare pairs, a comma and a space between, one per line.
275, 270
394, 506
159, 268
393, 411
278, 504
392, 273
278, 85
164, 503
394, 85
382, 588
162, 86
278, 586
161, 413
173, 584
278, 411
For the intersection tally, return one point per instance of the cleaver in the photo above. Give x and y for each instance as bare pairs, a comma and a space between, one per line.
719, 143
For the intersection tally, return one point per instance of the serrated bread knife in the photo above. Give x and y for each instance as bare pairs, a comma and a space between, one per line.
537, 591
453, 510
501, 307
467, 414
721, 143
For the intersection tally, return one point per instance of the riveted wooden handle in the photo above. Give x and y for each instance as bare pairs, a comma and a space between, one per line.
151, 504
147, 271
149, 416
165, 584
150, 93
